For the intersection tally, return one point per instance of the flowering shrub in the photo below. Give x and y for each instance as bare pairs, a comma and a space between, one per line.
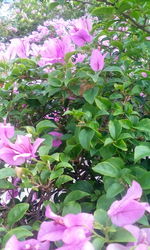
75, 129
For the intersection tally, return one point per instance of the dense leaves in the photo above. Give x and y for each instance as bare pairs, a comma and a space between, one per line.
75, 122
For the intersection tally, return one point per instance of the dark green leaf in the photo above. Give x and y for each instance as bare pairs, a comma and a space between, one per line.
16, 213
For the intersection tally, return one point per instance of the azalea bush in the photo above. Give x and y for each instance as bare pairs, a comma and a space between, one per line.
75, 130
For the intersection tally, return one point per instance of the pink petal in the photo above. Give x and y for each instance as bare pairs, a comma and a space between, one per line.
117, 247
83, 245
81, 219
81, 37
142, 247
50, 231
73, 235
134, 192
12, 244
126, 212
49, 214
97, 60
8, 154
36, 144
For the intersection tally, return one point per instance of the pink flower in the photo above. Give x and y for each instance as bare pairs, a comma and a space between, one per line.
54, 50
6, 131
14, 244
72, 229
97, 60
78, 58
81, 37
57, 138
128, 210
144, 74
142, 237
22, 150
116, 246
83, 245
18, 47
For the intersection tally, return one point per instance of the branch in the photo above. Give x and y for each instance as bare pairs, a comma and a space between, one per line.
83, 2
142, 27
135, 23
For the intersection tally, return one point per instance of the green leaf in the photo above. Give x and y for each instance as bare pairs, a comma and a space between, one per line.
115, 129
16, 213
71, 207
46, 124
144, 181
106, 168
52, 6
63, 165
4, 184
143, 125
83, 185
121, 144
63, 179
20, 233
141, 152
75, 195
90, 94
104, 203
56, 173
44, 150
101, 217
126, 124
122, 235
103, 103
6, 172
85, 137
98, 243
103, 11
108, 141
114, 189
113, 69
55, 82
144, 221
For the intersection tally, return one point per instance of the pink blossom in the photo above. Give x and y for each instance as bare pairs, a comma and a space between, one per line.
14, 244
57, 138
83, 245
20, 151
97, 60
148, 38
142, 94
82, 23
73, 229
78, 58
18, 47
142, 239
54, 50
116, 246
128, 210
81, 37
144, 74
6, 131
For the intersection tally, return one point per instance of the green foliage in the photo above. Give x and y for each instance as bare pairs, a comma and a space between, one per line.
103, 117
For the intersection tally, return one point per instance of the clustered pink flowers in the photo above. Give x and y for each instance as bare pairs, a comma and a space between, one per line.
16, 153
70, 33
74, 230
